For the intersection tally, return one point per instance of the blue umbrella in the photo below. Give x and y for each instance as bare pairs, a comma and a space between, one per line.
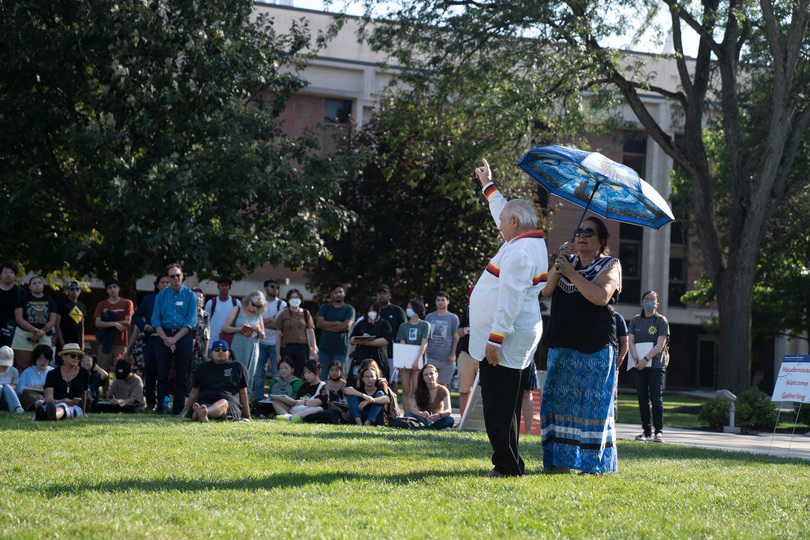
606, 188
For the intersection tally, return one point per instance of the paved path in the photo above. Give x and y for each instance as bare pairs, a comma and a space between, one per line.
797, 446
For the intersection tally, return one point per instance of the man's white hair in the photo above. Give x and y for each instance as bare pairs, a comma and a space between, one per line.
524, 212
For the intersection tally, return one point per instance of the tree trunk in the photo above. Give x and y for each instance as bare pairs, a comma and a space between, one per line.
734, 298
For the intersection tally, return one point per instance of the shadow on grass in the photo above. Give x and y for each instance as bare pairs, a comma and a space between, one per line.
298, 479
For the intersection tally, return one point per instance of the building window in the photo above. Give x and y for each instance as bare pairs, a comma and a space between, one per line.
634, 155
338, 111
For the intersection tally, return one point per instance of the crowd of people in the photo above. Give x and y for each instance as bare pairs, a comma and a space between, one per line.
264, 357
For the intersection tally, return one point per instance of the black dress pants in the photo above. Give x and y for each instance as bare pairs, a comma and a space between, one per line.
502, 397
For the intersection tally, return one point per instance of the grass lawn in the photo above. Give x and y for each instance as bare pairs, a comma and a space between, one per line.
679, 411
120, 476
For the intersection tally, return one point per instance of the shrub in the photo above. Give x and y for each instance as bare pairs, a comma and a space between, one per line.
755, 410
803, 413
714, 413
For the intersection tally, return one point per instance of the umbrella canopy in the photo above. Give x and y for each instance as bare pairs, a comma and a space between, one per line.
606, 188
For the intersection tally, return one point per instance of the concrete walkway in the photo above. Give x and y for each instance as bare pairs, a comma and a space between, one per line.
783, 445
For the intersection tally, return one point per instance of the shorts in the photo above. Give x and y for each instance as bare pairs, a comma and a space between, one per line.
467, 370
531, 380
71, 411
21, 342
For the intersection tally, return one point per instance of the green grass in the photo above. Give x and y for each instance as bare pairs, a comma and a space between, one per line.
128, 477
628, 411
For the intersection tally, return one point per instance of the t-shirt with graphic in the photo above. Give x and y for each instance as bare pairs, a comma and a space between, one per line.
72, 319
36, 311
442, 330
122, 309
412, 334
221, 381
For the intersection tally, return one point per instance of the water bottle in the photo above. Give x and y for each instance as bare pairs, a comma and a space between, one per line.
167, 405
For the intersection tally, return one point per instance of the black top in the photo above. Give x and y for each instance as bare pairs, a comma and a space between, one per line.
464, 342
72, 389
380, 328
311, 391
36, 311
72, 319
395, 316
8, 301
577, 323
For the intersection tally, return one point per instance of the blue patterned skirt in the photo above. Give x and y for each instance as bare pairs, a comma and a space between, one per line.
577, 411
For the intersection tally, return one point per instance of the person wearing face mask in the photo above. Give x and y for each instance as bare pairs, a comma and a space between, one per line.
648, 335
295, 333
370, 337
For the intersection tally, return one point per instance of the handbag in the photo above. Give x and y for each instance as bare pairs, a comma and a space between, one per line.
226, 337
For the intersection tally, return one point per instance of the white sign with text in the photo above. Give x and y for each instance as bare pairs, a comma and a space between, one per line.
793, 381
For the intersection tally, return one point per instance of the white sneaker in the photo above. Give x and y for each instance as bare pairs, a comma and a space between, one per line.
19, 410
642, 438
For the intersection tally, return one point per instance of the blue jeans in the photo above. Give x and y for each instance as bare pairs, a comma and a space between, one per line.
441, 423
9, 397
650, 389
325, 359
266, 352
375, 412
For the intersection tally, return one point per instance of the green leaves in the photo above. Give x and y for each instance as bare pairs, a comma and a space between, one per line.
148, 132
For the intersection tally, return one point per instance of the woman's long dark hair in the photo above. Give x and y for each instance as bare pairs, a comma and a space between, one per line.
422, 392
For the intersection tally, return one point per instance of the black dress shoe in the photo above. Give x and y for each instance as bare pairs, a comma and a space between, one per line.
41, 414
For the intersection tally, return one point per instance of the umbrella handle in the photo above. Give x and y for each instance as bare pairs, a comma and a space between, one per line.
586, 210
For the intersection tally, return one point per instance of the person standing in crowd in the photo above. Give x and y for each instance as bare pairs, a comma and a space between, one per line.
624, 347
113, 316
173, 318
125, 394
414, 331
201, 334
10, 292
143, 320
219, 389
295, 333
648, 336
247, 327
577, 409
31, 385
505, 324
9, 377
267, 345
334, 321
65, 388
467, 365
395, 316
441, 351
219, 307
70, 316
36, 316
370, 337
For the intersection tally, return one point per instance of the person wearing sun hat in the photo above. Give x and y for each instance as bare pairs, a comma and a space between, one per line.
8, 381
65, 387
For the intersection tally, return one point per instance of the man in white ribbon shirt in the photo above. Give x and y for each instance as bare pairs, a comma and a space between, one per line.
505, 324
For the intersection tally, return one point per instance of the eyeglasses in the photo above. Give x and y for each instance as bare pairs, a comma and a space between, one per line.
219, 349
74, 288
587, 233
175, 276
74, 355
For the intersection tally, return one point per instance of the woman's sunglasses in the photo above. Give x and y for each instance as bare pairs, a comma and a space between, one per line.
587, 233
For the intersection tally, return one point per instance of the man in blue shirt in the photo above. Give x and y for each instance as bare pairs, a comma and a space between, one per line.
173, 318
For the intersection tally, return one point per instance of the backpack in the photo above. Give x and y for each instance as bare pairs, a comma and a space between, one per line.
214, 304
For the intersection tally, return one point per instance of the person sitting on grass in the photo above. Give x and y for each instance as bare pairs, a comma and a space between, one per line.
367, 400
336, 382
312, 396
99, 380
31, 385
125, 394
8, 381
219, 388
65, 388
285, 384
431, 400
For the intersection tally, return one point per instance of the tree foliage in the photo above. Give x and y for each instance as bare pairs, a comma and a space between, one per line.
136, 133
751, 64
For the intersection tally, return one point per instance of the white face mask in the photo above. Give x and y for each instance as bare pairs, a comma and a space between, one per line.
372, 315
410, 313
295, 302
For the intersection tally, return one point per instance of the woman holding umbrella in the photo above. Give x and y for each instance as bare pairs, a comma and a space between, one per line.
577, 414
